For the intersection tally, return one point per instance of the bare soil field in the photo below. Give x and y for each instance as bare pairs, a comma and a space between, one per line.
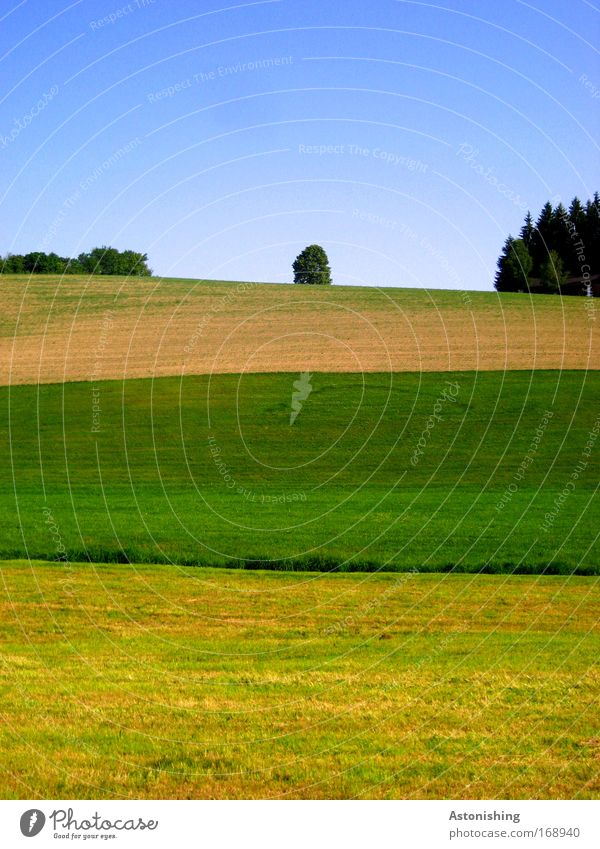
55, 329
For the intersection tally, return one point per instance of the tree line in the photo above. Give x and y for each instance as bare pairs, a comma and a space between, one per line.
558, 254
104, 260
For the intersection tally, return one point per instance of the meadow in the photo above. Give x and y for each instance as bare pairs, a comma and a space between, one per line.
465, 471
259, 542
166, 682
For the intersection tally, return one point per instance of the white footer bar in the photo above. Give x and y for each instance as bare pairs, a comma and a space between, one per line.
301, 825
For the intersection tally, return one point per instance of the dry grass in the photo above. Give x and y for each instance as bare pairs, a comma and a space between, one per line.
55, 330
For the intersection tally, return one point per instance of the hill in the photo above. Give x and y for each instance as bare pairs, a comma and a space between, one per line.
56, 329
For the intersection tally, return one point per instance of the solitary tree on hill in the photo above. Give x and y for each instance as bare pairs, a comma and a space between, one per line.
312, 267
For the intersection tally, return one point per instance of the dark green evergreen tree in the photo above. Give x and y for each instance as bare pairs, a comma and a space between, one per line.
592, 234
514, 267
577, 237
528, 231
562, 244
560, 239
544, 229
577, 214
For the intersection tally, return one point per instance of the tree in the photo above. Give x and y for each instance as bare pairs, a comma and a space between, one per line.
312, 267
552, 273
35, 262
576, 227
563, 246
577, 214
528, 231
55, 264
13, 264
98, 261
560, 238
544, 229
107, 260
592, 233
134, 263
514, 267
102, 260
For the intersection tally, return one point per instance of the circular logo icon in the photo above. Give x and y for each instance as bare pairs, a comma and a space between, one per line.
32, 822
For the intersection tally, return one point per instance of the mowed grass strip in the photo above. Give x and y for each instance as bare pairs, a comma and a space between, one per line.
155, 682
56, 329
466, 471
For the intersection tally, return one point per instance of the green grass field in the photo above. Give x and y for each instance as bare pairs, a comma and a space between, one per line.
209, 471
165, 682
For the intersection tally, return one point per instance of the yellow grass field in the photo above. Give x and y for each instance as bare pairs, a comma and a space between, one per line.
164, 682
56, 329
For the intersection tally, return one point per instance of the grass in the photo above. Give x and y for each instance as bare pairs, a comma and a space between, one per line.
209, 471
354, 653
155, 682
56, 329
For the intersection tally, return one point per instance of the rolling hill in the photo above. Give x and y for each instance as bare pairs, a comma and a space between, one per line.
56, 329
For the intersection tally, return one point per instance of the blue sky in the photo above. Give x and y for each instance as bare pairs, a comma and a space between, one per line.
407, 138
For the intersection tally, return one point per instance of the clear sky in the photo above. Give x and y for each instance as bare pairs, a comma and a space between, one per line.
407, 138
